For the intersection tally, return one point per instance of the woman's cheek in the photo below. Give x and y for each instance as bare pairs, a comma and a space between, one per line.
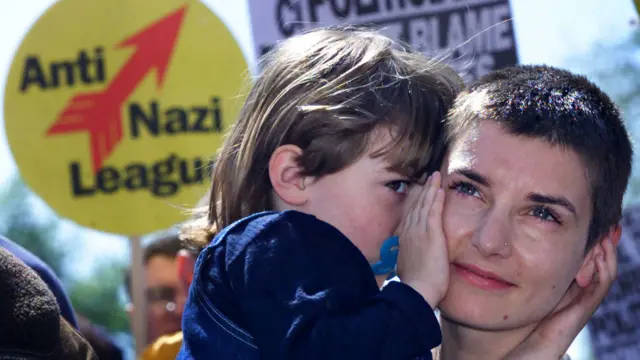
460, 219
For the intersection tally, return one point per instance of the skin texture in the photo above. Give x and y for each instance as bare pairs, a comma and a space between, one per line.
517, 209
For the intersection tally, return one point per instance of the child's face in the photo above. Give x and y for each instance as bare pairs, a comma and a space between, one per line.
364, 200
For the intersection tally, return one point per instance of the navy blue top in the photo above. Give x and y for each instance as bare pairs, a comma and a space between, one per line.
302, 290
46, 274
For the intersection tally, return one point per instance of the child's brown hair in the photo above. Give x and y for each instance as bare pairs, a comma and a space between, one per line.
325, 91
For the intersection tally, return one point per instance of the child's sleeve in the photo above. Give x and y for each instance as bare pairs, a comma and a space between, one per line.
306, 292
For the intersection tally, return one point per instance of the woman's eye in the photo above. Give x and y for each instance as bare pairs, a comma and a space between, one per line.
544, 214
466, 189
399, 186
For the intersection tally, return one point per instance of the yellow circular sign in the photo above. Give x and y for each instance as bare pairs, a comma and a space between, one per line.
114, 109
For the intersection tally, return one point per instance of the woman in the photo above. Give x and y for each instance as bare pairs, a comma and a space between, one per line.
537, 167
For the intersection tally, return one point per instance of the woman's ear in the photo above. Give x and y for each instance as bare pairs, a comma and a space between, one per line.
286, 176
588, 268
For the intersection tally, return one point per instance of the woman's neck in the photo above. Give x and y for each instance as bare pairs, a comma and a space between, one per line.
460, 342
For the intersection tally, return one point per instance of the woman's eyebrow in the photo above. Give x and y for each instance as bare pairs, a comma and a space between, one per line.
473, 175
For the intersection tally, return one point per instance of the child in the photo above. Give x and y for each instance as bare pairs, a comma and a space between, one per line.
309, 184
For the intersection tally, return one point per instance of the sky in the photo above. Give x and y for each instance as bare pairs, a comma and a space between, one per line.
547, 31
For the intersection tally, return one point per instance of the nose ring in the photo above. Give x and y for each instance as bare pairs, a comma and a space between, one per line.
505, 243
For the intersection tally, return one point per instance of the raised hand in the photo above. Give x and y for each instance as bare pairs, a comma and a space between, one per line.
554, 335
423, 261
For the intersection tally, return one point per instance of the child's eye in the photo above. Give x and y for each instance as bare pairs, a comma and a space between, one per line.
465, 188
399, 186
545, 214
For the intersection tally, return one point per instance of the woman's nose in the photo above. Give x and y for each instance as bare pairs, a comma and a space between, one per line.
493, 235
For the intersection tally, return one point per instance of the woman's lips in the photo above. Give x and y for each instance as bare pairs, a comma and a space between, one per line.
481, 278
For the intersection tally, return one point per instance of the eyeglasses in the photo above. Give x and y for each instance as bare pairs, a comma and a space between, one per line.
162, 297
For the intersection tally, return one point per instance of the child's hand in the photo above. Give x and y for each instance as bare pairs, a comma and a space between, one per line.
554, 335
423, 261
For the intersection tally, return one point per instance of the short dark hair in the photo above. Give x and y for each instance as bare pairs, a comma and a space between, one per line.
563, 109
167, 245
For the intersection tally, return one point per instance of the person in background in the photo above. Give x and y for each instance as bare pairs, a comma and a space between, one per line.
46, 274
164, 314
167, 347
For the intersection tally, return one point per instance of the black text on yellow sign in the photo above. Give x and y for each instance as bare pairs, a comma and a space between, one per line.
125, 125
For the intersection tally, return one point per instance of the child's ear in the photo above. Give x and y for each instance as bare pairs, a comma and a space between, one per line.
588, 268
286, 175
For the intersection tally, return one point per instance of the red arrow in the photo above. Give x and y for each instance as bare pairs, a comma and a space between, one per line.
99, 113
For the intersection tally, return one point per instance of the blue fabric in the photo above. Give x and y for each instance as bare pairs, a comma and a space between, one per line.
289, 286
46, 274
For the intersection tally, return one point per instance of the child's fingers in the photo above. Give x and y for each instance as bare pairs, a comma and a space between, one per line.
424, 178
414, 197
422, 202
435, 216
437, 180
430, 197
426, 188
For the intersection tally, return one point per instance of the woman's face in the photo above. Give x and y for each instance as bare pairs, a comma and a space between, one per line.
516, 217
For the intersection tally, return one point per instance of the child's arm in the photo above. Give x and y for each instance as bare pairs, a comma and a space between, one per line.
306, 292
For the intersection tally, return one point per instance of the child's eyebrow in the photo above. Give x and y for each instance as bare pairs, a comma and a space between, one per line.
404, 172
